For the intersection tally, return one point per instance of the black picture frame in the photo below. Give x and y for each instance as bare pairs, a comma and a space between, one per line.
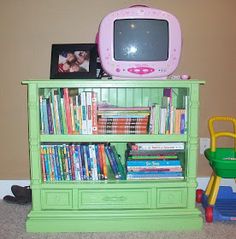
73, 61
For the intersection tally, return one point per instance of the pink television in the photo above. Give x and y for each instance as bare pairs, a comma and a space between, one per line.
139, 42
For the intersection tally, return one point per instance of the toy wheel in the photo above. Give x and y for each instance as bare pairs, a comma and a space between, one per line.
209, 214
199, 194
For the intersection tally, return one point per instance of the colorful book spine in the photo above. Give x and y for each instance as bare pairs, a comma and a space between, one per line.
67, 110
152, 163
43, 167
112, 162
103, 157
158, 146
94, 113
45, 116
89, 111
83, 112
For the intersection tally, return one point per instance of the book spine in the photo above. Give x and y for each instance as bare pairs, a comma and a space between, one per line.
72, 115
182, 122
94, 161
94, 113
99, 162
112, 162
89, 111
67, 110
41, 114
103, 157
152, 162
45, 116
83, 112
158, 146
43, 167
155, 169
123, 120
121, 131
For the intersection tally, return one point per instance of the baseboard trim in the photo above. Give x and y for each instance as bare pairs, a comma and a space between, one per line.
5, 185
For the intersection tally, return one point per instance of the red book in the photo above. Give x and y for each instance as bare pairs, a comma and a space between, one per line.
67, 110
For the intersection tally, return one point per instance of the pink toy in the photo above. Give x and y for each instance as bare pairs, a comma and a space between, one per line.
139, 42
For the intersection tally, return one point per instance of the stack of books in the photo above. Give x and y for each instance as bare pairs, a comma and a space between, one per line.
123, 120
154, 160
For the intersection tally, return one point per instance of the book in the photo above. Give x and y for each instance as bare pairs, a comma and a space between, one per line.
158, 146
67, 110
152, 163
155, 169
122, 131
94, 113
153, 152
83, 112
112, 162
89, 112
118, 161
123, 120
101, 148
154, 119
95, 162
110, 108
151, 157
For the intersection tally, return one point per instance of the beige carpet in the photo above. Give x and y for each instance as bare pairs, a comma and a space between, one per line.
12, 226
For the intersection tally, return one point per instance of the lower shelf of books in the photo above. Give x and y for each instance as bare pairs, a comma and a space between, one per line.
103, 161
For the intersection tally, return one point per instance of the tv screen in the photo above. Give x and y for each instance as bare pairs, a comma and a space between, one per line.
141, 40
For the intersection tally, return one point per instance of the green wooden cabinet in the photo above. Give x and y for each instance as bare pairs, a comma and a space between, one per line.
113, 205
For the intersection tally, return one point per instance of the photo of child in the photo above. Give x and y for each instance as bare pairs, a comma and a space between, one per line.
76, 61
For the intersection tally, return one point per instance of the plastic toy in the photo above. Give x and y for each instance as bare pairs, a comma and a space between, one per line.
219, 201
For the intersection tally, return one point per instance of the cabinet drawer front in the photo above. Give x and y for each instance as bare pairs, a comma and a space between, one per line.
56, 199
171, 197
114, 198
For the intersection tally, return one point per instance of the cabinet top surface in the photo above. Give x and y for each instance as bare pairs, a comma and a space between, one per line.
111, 83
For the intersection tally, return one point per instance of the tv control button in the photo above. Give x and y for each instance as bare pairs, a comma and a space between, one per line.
140, 70
117, 69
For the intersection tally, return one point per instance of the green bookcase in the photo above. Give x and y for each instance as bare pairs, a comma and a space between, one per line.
115, 205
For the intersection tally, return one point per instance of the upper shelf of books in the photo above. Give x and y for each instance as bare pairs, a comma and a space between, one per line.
149, 109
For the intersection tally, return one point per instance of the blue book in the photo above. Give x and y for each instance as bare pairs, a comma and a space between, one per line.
152, 163
182, 123
112, 163
99, 169
78, 151
152, 176
46, 164
69, 162
118, 161
83, 175
50, 117
59, 166
164, 174
45, 116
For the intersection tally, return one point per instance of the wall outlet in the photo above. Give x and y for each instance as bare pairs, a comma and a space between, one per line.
204, 144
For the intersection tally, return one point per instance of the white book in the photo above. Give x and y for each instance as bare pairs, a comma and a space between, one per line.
83, 112
159, 146
89, 112
92, 154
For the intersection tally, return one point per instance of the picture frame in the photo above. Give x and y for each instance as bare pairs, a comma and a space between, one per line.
73, 61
